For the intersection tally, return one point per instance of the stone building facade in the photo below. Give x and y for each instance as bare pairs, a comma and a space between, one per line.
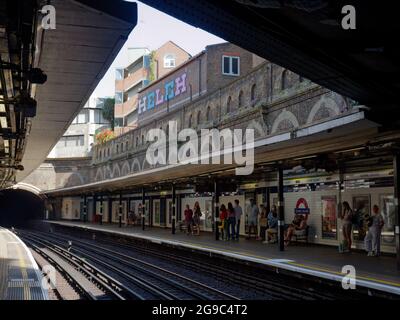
268, 99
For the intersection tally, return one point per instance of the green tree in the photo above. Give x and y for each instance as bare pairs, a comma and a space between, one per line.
108, 111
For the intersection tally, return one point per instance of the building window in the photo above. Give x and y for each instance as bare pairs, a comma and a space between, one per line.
228, 105
119, 122
169, 61
231, 65
119, 74
117, 148
198, 117
119, 97
137, 141
73, 141
240, 99
142, 138
190, 121
208, 114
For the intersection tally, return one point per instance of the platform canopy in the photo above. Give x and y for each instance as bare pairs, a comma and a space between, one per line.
75, 56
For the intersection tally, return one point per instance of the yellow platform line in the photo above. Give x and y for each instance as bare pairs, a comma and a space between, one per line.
388, 282
22, 264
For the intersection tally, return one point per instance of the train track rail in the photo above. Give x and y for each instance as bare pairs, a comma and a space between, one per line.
160, 282
270, 284
113, 289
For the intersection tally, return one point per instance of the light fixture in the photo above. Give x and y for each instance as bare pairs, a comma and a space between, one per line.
3, 122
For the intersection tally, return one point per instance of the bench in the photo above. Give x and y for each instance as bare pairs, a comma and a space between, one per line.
301, 235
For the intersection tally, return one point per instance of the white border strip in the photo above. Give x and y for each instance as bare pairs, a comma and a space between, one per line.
33, 263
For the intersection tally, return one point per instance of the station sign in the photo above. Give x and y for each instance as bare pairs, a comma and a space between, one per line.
302, 207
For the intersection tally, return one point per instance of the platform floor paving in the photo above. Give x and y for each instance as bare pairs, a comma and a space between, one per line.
322, 261
20, 277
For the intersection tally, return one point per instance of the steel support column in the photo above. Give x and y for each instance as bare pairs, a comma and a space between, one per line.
216, 205
143, 208
94, 212
396, 177
120, 211
281, 210
101, 209
84, 208
173, 208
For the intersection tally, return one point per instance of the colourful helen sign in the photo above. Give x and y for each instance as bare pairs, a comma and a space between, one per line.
164, 93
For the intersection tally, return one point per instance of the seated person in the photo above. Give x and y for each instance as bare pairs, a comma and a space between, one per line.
272, 230
298, 224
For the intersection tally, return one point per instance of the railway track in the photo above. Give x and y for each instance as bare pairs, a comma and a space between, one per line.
69, 265
159, 282
270, 284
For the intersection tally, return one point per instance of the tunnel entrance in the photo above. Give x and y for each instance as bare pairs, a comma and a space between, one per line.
18, 207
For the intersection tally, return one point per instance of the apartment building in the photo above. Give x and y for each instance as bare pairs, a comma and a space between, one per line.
144, 67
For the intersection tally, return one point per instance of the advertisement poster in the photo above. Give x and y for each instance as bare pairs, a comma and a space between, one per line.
387, 209
208, 216
361, 210
329, 218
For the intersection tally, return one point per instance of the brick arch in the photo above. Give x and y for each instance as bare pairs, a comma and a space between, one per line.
324, 103
136, 167
284, 116
126, 168
116, 171
99, 174
145, 164
107, 172
259, 130
75, 179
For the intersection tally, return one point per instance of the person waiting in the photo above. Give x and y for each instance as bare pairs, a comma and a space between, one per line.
347, 216
188, 219
373, 237
252, 218
272, 230
231, 222
223, 214
299, 223
238, 215
263, 223
196, 218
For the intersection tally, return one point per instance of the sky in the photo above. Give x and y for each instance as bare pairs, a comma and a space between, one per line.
153, 29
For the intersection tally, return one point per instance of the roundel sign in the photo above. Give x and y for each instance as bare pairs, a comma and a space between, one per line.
302, 207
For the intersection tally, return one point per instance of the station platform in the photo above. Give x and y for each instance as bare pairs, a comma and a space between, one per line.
378, 273
20, 276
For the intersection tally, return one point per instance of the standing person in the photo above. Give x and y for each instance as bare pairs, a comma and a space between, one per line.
238, 215
231, 222
223, 214
263, 223
252, 218
196, 217
373, 237
188, 219
347, 216
141, 214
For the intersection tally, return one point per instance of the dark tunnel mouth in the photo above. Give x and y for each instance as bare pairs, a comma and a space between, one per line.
18, 207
